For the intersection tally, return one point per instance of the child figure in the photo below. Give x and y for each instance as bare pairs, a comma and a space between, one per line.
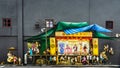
97, 59
106, 47
111, 51
84, 61
101, 58
90, 59
19, 61
14, 60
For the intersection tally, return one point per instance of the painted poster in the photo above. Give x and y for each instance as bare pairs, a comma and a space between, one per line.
85, 47
61, 47
73, 46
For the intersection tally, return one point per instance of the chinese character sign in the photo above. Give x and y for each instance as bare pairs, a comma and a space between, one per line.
95, 46
52, 46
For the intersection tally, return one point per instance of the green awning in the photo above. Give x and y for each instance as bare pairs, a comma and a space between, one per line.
101, 35
60, 26
69, 25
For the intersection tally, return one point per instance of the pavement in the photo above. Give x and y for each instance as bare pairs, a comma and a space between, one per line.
54, 66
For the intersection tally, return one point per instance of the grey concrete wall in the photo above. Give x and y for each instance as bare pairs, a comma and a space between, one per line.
24, 19
8, 9
20, 26
8, 36
11, 9
60, 10
5, 43
100, 11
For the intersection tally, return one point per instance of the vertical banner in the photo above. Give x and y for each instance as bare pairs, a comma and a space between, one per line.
95, 46
52, 46
29, 45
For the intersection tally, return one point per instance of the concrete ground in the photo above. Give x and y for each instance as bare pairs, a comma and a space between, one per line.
86, 66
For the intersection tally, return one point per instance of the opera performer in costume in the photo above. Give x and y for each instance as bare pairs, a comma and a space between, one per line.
85, 49
75, 48
68, 50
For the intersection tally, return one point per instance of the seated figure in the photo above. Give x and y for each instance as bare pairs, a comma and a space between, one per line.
10, 56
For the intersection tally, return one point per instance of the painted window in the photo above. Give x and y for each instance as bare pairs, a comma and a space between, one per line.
6, 22
109, 24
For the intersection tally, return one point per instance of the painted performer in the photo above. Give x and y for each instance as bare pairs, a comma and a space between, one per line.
85, 49
81, 48
75, 48
111, 51
68, 50
106, 47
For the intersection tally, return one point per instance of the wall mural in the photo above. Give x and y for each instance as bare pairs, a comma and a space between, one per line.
71, 47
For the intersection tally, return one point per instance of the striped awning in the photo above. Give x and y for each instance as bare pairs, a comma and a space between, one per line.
93, 27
